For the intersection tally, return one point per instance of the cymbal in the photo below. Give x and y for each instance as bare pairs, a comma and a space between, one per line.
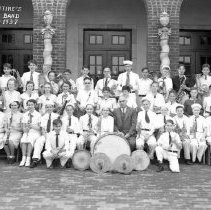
81, 160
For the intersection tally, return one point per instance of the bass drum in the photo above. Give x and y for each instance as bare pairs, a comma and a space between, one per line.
81, 160
113, 145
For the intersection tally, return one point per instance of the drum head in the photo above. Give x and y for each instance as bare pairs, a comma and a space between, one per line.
100, 163
81, 160
112, 145
140, 160
123, 164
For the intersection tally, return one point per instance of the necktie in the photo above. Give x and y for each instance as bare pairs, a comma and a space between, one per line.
10, 123
106, 82
90, 122
31, 76
30, 117
70, 121
195, 128
49, 124
205, 77
170, 139
128, 79
164, 119
57, 140
147, 117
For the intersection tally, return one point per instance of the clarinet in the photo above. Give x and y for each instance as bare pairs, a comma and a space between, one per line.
9, 127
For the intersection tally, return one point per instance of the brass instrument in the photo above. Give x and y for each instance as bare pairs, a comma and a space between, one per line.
162, 86
181, 93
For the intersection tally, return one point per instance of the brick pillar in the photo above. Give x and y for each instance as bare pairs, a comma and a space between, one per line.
58, 9
154, 8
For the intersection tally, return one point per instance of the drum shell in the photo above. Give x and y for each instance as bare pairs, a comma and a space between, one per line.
81, 160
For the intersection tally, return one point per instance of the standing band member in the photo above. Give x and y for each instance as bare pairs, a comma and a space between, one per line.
57, 145
125, 122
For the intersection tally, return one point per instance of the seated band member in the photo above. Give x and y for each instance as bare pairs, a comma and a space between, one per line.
28, 94
182, 84
165, 82
131, 98
88, 124
128, 78
156, 99
51, 79
208, 135
80, 81
65, 96
125, 122
87, 95
106, 101
181, 127
57, 145
168, 146
46, 127
146, 124
172, 104
2, 129
71, 124
193, 100
31, 132
107, 81
13, 125
105, 123
47, 96
196, 146
207, 104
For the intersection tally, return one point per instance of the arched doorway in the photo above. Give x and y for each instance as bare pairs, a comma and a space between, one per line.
16, 39
103, 33
195, 34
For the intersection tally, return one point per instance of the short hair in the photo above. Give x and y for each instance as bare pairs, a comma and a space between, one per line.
85, 67
67, 70
180, 64
145, 68
145, 99
90, 105
57, 122
30, 82
51, 72
154, 82
106, 89
32, 61
170, 121
67, 83
17, 102
178, 107
126, 87
7, 65
87, 78
106, 67
31, 101
206, 65
70, 105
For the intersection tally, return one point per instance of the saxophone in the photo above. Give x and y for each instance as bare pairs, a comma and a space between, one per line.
181, 93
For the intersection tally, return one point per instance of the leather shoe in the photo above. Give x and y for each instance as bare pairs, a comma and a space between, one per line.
188, 162
160, 167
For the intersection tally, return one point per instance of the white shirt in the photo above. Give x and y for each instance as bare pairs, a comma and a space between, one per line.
43, 99
17, 118
134, 80
84, 120
72, 82
106, 124
203, 81
26, 77
55, 87
85, 97
208, 124
4, 79
11, 96
45, 118
144, 86
158, 100
207, 104
2, 122
182, 122
70, 99
131, 100
172, 107
201, 124
101, 84
25, 97
80, 83
160, 120
168, 83
163, 141
75, 126
110, 103
142, 122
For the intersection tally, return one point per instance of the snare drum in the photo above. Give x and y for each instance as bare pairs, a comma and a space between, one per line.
113, 145
81, 160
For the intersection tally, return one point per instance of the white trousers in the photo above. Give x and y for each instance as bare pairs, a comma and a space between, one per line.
208, 140
49, 157
195, 147
90, 138
38, 147
170, 156
151, 143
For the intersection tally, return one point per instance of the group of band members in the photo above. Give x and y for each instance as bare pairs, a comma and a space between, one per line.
53, 119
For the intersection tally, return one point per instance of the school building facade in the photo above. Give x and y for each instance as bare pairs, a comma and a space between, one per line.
100, 33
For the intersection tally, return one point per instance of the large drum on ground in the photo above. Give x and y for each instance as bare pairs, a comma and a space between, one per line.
123, 164
140, 160
113, 145
81, 160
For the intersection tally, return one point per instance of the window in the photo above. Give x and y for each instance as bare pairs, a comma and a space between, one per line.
95, 64
205, 40
28, 39
187, 62
7, 59
117, 64
119, 40
8, 38
185, 40
95, 39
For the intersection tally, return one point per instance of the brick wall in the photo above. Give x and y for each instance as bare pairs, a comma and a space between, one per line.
153, 7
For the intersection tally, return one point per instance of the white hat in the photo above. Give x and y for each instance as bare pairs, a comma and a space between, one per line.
193, 106
49, 102
128, 63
